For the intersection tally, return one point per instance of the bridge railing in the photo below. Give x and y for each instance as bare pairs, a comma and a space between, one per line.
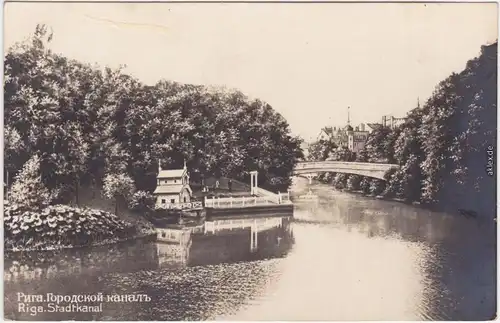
326, 163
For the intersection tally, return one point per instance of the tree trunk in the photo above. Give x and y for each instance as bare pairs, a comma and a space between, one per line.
93, 187
7, 186
77, 189
116, 206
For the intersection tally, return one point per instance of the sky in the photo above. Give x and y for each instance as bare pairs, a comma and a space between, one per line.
308, 61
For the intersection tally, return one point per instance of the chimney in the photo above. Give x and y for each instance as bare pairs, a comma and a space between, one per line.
362, 127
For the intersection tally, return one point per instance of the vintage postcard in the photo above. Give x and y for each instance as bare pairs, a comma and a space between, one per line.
250, 161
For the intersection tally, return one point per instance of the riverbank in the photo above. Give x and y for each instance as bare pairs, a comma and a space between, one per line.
434, 208
380, 197
58, 227
373, 196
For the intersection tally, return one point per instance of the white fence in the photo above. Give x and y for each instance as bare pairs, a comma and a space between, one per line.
231, 202
279, 198
181, 237
255, 224
180, 206
264, 198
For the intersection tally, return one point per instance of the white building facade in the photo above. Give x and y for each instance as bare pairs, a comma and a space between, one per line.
172, 187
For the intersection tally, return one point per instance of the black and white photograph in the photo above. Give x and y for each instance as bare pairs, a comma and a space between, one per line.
250, 161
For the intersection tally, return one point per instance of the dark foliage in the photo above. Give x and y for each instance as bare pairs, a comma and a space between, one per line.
86, 123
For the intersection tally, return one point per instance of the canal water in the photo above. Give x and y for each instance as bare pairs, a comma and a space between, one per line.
342, 257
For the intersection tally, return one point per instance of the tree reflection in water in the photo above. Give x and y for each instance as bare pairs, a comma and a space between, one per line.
348, 258
203, 275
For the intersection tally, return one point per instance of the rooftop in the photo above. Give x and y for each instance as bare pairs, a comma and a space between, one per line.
374, 125
171, 173
169, 189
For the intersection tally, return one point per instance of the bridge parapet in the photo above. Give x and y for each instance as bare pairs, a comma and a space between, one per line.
347, 165
375, 170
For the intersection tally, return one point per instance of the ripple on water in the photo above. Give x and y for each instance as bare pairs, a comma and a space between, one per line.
353, 259
197, 293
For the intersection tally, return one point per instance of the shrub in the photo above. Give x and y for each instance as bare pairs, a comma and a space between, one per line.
28, 189
141, 201
353, 182
340, 181
365, 185
377, 186
118, 187
60, 225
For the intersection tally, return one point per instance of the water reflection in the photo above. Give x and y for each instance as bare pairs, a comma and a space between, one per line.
454, 257
341, 257
167, 271
226, 241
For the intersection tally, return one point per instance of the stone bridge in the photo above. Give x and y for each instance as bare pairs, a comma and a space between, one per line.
311, 169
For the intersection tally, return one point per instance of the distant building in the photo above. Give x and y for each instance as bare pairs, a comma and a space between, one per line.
392, 122
370, 127
353, 139
337, 135
172, 186
357, 138
325, 133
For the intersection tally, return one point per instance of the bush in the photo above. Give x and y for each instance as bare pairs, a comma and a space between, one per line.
60, 226
365, 185
28, 189
119, 187
340, 181
142, 201
392, 183
377, 186
353, 182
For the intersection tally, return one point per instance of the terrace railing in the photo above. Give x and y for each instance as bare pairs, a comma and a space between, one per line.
180, 206
268, 198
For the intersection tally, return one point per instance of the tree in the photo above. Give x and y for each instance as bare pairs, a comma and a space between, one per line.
81, 119
442, 145
392, 183
353, 182
362, 156
340, 181
378, 145
436, 136
343, 154
28, 190
142, 201
377, 186
118, 187
13, 147
365, 185
321, 150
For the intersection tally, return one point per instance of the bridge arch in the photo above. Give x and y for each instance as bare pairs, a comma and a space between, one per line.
373, 170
